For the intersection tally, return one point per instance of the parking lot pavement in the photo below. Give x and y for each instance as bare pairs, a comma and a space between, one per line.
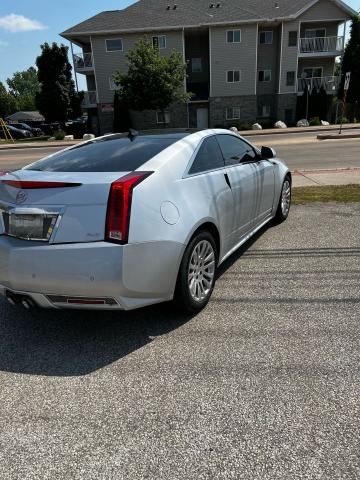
263, 384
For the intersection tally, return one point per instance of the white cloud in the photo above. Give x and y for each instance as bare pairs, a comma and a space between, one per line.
18, 23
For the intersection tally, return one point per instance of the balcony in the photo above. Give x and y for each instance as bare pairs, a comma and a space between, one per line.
321, 46
330, 84
83, 62
90, 100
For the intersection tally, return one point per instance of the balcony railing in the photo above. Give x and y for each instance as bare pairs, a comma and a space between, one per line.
83, 61
321, 45
90, 99
330, 84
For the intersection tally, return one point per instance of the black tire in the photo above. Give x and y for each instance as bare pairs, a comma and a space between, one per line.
281, 212
183, 297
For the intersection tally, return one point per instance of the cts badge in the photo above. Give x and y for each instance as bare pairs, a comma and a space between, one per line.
21, 197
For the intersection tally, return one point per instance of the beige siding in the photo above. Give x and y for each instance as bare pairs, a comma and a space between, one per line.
289, 57
107, 63
233, 56
268, 59
324, 10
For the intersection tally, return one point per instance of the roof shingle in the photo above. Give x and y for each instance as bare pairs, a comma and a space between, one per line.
148, 14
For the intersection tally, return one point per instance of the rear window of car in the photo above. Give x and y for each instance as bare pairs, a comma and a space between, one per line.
106, 155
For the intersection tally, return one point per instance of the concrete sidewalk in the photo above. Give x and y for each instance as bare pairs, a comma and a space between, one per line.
340, 176
280, 131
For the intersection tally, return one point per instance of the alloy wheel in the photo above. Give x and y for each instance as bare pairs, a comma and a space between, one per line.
286, 198
201, 271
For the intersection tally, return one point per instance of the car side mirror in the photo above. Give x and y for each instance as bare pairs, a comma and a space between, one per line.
268, 152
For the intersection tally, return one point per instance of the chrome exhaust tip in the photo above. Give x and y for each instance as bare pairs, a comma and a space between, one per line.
27, 303
11, 300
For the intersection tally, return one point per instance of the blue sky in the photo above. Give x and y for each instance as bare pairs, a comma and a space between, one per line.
25, 24
20, 38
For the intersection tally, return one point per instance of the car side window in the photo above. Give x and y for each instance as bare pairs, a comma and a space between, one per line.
209, 157
235, 150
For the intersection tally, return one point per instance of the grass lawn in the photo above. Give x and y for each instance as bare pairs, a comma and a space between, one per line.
340, 194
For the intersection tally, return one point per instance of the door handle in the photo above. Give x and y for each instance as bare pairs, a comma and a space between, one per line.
227, 179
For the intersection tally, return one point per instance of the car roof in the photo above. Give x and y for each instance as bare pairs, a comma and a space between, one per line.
178, 133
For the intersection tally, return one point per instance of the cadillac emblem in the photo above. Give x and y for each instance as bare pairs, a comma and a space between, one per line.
21, 197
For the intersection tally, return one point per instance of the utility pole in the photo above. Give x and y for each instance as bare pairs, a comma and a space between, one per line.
307, 100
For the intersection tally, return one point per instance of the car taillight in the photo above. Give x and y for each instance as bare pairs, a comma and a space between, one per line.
119, 206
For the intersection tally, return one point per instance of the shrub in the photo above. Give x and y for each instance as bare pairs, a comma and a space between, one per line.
314, 122
244, 126
345, 120
59, 135
266, 123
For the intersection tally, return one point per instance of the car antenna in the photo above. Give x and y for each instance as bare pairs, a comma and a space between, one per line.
132, 133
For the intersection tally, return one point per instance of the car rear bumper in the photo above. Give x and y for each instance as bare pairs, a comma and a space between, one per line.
133, 275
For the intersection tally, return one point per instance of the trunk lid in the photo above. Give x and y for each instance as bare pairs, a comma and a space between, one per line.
55, 207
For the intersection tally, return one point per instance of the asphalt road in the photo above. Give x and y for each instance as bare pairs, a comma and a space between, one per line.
262, 385
305, 152
299, 151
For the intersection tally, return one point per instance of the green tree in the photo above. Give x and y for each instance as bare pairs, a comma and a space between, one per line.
57, 97
24, 86
122, 121
153, 81
8, 103
351, 63
323, 100
24, 82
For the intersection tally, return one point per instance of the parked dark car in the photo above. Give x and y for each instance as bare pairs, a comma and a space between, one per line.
50, 128
16, 132
37, 132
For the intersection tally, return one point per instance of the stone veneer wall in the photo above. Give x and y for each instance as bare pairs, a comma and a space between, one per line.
217, 112
218, 105
147, 119
286, 102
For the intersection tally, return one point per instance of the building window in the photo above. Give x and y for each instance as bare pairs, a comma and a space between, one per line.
313, 72
196, 65
163, 118
264, 75
290, 79
233, 113
266, 38
293, 39
233, 36
159, 42
233, 76
114, 45
264, 111
315, 33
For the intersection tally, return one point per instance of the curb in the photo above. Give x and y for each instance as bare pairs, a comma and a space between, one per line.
242, 133
277, 131
337, 136
20, 146
327, 170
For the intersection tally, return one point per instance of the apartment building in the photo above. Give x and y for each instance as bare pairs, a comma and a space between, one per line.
247, 59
